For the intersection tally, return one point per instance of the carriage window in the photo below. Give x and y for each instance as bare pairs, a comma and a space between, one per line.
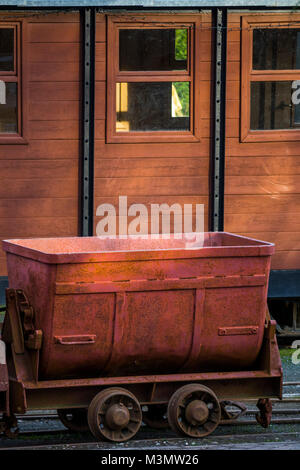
276, 49
8, 110
151, 81
7, 49
269, 110
272, 106
10, 84
155, 106
153, 49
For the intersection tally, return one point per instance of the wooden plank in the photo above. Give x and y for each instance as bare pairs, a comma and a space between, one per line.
100, 100
54, 52
38, 227
232, 90
284, 241
205, 128
233, 51
63, 17
233, 18
100, 35
27, 169
54, 129
233, 70
126, 167
54, 110
286, 260
100, 52
205, 71
41, 149
206, 35
233, 35
38, 188
155, 199
54, 32
40, 16
232, 109
35, 207
235, 148
54, 71
262, 204
279, 221
232, 128
283, 165
146, 222
100, 129
191, 149
100, 71
181, 186
274, 184
187, 203
191, 201
54, 91
205, 50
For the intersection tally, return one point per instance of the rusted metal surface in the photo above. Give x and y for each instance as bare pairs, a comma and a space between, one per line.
265, 412
232, 415
194, 410
152, 317
132, 307
115, 415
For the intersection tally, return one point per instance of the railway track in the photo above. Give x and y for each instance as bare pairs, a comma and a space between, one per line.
285, 412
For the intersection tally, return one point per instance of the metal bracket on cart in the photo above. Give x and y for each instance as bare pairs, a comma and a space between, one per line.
265, 412
230, 415
9, 426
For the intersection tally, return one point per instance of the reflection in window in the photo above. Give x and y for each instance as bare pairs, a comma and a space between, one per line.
153, 49
8, 111
6, 49
276, 49
272, 107
181, 44
152, 106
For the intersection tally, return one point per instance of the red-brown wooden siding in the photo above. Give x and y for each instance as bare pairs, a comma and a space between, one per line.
152, 172
262, 190
39, 180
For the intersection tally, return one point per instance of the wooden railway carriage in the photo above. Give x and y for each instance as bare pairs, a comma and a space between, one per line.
190, 106
150, 105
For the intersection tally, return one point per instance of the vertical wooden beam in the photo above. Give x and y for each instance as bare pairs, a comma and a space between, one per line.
219, 116
88, 113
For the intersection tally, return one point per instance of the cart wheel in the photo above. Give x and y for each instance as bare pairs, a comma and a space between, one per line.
194, 410
115, 415
156, 416
74, 419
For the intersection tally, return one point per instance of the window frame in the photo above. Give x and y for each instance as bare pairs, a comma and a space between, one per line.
191, 75
249, 75
17, 76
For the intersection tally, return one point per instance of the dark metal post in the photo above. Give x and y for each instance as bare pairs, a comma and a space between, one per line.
218, 136
88, 90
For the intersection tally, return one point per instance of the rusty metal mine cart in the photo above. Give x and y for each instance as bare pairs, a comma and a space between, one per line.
115, 332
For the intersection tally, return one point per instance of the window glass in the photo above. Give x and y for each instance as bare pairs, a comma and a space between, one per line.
152, 106
6, 49
8, 111
272, 107
153, 49
276, 49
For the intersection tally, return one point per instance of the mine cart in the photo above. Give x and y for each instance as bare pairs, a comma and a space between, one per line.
113, 332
